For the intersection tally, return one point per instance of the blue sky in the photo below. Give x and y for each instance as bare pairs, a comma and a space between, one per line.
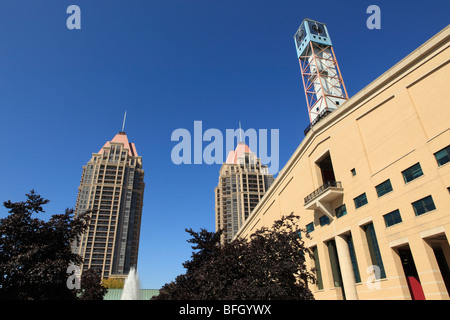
169, 63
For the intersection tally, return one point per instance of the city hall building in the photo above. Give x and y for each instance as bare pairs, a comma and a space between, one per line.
371, 180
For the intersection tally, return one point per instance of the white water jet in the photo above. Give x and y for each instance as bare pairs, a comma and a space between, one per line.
132, 287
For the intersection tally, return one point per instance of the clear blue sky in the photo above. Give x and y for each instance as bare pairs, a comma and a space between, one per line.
63, 92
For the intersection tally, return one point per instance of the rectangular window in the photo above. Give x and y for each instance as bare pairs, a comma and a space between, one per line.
360, 200
374, 250
334, 261
412, 173
443, 156
324, 220
423, 205
341, 211
351, 250
310, 227
317, 266
383, 188
392, 218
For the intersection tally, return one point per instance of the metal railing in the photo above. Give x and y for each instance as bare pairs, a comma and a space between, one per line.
322, 189
322, 115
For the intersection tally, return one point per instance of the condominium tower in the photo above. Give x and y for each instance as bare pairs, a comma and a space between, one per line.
112, 186
243, 181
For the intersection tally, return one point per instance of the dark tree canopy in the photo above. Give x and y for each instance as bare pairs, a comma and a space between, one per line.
269, 266
91, 288
35, 254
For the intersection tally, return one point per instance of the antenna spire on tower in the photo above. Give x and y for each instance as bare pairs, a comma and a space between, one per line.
123, 124
240, 132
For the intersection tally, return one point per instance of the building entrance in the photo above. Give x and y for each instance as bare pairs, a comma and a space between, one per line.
412, 277
326, 169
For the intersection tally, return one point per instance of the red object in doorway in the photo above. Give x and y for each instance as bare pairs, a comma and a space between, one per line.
415, 288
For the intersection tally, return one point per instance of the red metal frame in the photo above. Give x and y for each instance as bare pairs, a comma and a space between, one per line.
314, 50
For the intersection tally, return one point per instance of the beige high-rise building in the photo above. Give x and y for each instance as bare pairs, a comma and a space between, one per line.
112, 185
243, 181
370, 182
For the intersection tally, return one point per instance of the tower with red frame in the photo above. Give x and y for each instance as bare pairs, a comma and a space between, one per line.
322, 80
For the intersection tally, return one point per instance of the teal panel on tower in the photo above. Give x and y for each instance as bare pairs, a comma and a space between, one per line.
311, 30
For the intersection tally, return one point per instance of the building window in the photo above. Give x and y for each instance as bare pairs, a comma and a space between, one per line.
334, 261
374, 250
360, 200
384, 188
443, 156
317, 266
392, 218
412, 173
423, 205
310, 227
351, 250
324, 220
341, 211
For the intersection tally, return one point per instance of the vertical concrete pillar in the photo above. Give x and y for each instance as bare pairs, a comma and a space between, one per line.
345, 262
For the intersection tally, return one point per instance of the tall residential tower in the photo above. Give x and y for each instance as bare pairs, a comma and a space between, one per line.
243, 181
112, 186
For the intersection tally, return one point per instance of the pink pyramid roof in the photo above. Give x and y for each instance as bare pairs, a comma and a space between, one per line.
240, 150
121, 137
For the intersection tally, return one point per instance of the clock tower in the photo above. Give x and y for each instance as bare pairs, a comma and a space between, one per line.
322, 80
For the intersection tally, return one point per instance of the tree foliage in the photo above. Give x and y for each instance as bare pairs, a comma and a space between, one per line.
91, 286
113, 283
35, 254
269, 266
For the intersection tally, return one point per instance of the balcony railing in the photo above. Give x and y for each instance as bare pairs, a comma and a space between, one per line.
322, 189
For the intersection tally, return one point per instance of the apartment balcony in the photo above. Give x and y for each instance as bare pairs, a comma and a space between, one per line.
322, 197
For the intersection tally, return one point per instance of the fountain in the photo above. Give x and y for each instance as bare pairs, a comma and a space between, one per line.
132, 288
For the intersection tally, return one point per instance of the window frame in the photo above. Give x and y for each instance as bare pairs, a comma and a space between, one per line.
307, 227
358, 197
383, 191
393, 220
447, 150
340, 214
322, 218
414, 177
316, 259
374, 249
417, 214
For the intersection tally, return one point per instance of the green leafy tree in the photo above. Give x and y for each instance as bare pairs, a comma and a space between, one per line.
35, 254
268, 266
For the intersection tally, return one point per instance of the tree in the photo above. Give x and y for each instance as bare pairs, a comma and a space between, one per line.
91, 286
113, 283
270, 265
35, 254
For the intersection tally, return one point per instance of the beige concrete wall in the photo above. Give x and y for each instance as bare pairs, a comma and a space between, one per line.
400, 119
